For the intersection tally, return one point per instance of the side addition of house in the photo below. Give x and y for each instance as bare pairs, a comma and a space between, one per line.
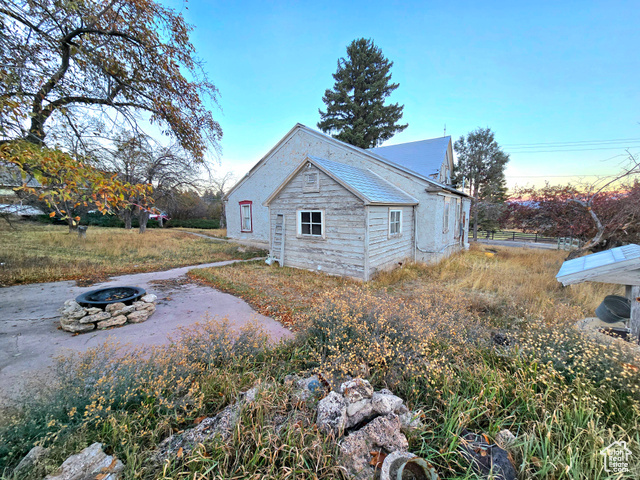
324, 205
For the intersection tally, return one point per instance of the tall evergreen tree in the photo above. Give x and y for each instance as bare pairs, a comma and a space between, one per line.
481, 162
356, 112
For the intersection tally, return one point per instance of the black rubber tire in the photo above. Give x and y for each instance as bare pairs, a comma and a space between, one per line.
614, 309
85, 300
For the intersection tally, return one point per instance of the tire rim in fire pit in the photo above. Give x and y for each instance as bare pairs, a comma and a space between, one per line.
105, 296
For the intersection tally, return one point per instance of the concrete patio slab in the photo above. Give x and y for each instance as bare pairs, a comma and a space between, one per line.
30, 338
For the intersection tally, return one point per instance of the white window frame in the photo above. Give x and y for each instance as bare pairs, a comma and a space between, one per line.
398, 233
311, 235
249, 206
446, 215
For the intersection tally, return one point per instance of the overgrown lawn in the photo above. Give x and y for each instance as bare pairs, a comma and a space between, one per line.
33, 253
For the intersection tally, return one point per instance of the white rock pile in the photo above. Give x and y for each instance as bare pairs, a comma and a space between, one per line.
365, 421
90, 463
78, 319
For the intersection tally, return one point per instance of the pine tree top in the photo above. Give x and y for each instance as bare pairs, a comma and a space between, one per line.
356, 112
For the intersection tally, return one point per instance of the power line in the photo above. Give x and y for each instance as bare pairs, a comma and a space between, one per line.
572, 150
556, 176
549, 144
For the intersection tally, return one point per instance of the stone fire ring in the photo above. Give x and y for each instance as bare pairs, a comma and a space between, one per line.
77, 318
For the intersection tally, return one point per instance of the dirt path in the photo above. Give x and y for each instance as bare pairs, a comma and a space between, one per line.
30, 338
516, 244
248, 243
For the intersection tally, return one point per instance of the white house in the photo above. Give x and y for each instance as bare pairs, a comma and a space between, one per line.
322, 204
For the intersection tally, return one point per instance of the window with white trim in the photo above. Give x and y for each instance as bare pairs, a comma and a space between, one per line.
447, 209
395, 223
246, 222
311, 223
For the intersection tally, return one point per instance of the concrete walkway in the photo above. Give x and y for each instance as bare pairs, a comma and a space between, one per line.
30, 338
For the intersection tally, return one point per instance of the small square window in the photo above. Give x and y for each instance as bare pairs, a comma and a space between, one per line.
311, 223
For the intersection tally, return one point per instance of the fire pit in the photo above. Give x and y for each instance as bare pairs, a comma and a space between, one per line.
105, 296
105, 308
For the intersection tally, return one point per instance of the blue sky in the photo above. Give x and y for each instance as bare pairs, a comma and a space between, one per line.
538, 73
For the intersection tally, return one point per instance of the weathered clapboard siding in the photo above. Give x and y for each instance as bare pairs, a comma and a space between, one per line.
384, 251
341, 251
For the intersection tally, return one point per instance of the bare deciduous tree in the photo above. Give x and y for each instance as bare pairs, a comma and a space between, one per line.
62, 62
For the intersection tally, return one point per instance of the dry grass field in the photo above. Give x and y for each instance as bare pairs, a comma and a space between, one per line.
210, 232
34, 253
513, 282
425, 332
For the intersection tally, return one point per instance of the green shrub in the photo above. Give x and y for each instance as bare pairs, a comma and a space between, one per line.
100, 220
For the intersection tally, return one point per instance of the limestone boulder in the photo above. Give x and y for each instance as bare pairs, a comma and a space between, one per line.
90, 463
115, 307
139, 305
72, 310
332, 414
356, 390
94, 310
380, 434
149, 298
36, 455
359, 411
385, 402
138, 316
411, 421
112, 322
222, 426
74, 326
126, 310
96, 317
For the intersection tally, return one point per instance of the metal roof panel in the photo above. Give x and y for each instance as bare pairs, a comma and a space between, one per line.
617, 265
424, 157
370, 185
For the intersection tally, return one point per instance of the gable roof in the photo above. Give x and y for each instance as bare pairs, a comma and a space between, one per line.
617, 265
347, 146
424, 157
371, 188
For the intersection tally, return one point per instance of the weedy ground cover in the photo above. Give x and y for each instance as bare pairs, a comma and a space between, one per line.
33, 253
425, 332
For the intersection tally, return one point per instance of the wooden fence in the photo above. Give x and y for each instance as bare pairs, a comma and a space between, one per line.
563, 243
515, 236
